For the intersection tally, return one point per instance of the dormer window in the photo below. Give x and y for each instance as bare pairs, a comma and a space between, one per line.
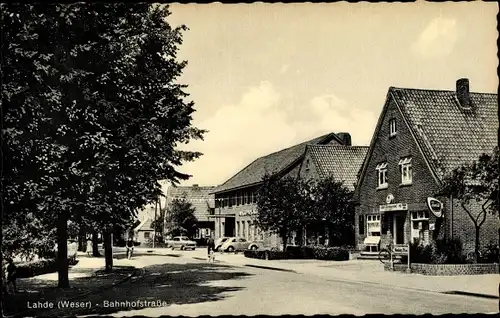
406, 171
382, 175
392, 127
307, 165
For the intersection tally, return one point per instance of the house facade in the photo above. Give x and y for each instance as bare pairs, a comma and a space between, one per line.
143, 233
340, 162
202, 201
421, 136
235, 200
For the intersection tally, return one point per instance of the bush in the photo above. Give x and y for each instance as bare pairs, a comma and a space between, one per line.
490, 254
438, 252
303, 252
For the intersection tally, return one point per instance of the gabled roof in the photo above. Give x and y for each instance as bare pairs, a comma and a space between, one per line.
340, 162
200, 197
446, 134
274, 163
145, 225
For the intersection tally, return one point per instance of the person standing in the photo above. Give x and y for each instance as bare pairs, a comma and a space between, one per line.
211, 249
130, 248
89, 247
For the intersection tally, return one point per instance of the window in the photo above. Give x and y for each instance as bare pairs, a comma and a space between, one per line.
230, 200
249, 197
307, 165
406, 171
237, 228
242, 240
238, 198
217, 203
243, 232
361, 225
175, 239
392, 127
420, 226
146, 235
382, 175
244, 198
373, 225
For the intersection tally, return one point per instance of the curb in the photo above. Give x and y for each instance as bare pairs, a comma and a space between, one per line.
464, 293
272, 268
135, 272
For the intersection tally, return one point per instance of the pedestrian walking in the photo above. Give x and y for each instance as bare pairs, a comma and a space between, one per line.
89, 247
211, 250
130, 248
11, 276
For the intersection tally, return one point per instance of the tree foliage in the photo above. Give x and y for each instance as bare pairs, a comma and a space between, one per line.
282, 205
475, 185
93, 114
181, 219
332, 203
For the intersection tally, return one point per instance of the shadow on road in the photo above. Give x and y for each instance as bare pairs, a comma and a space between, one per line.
33, 291
163, 285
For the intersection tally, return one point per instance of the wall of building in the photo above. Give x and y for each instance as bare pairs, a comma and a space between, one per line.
391, 150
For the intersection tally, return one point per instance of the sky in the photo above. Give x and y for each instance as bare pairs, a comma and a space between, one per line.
265, 77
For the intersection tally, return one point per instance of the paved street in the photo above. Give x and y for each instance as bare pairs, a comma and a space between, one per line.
185, 286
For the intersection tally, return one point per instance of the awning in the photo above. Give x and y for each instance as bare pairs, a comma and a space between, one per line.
372, 240
405, 161
382, 165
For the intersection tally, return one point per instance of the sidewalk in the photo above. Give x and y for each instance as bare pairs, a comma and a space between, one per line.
372, 272
86, 277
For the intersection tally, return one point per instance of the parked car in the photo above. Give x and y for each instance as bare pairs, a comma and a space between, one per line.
235, 244
255, 245
219, 242
181, 242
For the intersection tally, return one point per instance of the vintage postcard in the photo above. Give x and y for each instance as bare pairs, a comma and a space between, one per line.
250, 159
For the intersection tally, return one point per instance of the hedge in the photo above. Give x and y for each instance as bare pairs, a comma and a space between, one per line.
40, 267
303, 252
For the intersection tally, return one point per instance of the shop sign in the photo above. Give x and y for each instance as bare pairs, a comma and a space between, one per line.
400, 249
247, 213
432, 226
435, 206
394, 207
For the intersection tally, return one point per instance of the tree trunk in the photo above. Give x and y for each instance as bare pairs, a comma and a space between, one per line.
95, 245
476, 244
284, 237
108, 250
62, 252
82, 242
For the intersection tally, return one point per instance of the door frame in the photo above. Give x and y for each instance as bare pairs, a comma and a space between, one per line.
397, 217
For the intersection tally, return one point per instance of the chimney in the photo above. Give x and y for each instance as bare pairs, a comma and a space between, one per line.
346, 138
463, 94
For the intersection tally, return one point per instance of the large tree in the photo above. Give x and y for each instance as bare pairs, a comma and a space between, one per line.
332, 204
92, 112
282, 204
475, 186
180, 218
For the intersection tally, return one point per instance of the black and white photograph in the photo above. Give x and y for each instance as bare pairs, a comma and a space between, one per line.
169, 159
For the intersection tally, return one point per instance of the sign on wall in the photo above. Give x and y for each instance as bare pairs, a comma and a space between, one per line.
394, 207
435, 206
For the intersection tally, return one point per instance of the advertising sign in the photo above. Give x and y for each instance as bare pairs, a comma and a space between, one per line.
435, 206
394, 207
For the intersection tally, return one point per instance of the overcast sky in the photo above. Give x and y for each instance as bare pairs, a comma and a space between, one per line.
267, 76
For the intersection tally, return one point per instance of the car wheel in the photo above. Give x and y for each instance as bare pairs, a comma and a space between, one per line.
216, 249
172, 247
253, 248
230, 249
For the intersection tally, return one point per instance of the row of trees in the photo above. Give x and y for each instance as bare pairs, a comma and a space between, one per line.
286, 204
92, 119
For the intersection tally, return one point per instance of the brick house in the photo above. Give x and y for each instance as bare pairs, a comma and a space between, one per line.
421, 136
201, 200
235, 199
340, 162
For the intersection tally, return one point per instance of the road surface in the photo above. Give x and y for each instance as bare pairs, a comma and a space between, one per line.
184, 286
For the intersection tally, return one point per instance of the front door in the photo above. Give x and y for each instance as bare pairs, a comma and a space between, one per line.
399, 228
229, 226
